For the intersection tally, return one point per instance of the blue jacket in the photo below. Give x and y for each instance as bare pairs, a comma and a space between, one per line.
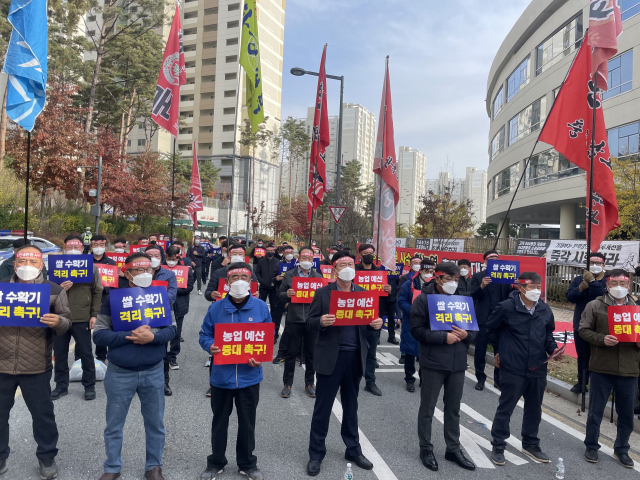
223, 311
596, 289
408, 344
165, 275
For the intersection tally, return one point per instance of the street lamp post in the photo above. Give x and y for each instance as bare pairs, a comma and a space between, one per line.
96, 208
299, 72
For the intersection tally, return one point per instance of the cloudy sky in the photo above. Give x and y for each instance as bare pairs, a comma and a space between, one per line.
440, 55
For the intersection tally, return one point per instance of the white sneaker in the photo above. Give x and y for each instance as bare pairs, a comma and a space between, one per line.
199, 292
207, 363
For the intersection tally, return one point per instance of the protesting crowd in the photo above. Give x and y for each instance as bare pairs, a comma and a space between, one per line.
260, 289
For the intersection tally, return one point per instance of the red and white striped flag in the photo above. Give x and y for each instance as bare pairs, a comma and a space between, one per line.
195, 192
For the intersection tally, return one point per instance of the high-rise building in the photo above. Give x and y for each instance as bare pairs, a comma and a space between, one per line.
412, 168
476, 190
444, 183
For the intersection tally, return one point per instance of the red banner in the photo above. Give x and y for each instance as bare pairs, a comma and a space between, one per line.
240, 342
259, 252
119, 258
605, 26
305, 288
108, 275
195, 191
223, 287
327, 271
624, 322
181, 273
137, 248
372, 280
353, 308
160, 283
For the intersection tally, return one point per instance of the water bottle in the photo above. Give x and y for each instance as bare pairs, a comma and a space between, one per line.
559, 469
348, 475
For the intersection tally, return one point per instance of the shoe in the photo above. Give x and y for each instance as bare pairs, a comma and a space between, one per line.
89, 394
459, 458
173, 365
181, 339
58, 392
479, 386
624, 459
313, 468
534, 452
208, 394
199, 292
48, 469
393, 341
154, 474
3, 467
591, 455
207, 363
429, 460
361, 461
497, 456
401, 361
253, 474
411, 387
311, 391
577, 388
373, 389
110, 476
278, 360
100, 359
286, 392
377, 364
167, 390
211, 474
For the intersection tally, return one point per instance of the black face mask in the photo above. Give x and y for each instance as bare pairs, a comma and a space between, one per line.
270, 254
153, 242
367, 259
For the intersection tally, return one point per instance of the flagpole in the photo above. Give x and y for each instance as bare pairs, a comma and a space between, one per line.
593, 141
384, 128
173, 188
233, 159
26, 196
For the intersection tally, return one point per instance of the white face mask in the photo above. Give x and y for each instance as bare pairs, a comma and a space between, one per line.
347, 274
239, 289
73, 252
415, 268
532, 295
289, 257
224, 255
119, 250
237, 258
306, 265
450, 287
98, 251
464, 272
595, 269
171, 263
331, 256
618, 292
143, 280
27, 273
425, 276
155, 262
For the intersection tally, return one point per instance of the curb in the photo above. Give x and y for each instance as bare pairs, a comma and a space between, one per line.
563, 390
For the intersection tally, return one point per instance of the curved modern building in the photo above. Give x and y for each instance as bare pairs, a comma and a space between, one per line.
524, 79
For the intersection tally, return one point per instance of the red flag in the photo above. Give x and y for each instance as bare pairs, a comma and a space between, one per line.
605, 26
569, 129
384, 218
195, 192
319, 141
166, 104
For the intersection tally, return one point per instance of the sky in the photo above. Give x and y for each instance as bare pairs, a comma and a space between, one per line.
440, 56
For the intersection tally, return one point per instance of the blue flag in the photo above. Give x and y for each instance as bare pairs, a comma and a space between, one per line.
26, 61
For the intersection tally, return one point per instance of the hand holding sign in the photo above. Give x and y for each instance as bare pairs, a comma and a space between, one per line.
141, 335
503, 271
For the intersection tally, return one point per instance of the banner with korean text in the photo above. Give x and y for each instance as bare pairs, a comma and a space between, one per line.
624, 322
305, 288
353, 308
108, 275
503, 271
372, 280
133, 307
327, 272
181, 273
23, 304
446, 311
240, 342
119, 258
285, 267
72, 268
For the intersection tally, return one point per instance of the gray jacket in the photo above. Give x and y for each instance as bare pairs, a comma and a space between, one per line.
297, 312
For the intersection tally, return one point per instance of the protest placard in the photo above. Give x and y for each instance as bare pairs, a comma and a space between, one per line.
448, 310
108, 275
353, 308
23, 304
72, 268
240, 342
133, 307
181, 273
305, 288
624, 322
503, 271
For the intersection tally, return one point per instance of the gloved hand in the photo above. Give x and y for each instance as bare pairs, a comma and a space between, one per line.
583, 286
588, 276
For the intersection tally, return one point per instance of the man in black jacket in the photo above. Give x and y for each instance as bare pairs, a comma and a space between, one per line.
98, 248
236, 252
443, 360
521, 329
266, 269
285, 260
486, 296
464, 284
296, 327
340, 358
197, 253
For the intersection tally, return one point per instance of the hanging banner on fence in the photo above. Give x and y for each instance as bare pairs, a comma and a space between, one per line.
134, 307
353, 308
503, 271
372, 280
240, 342
624, 322
119, 258
72, 268
440, 244
23, 304
618, 253
108, 275
181, 273
223, 287
305, 288
446, 311
400, 242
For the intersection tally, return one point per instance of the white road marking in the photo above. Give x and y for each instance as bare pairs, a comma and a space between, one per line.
391, 357
388, 346
385, 370
383, 359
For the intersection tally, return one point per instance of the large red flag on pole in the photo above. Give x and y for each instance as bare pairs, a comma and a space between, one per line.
569, 128
166, 104
319, 142
387, 191
195, 192
605, 26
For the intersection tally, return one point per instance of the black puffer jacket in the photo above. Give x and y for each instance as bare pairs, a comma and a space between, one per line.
523, 340
435, 352
296, 312
181, 307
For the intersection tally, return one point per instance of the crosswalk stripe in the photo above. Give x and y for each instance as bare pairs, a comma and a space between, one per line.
383, 359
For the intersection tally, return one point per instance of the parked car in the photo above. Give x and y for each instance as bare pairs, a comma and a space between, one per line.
242, 240
7, 238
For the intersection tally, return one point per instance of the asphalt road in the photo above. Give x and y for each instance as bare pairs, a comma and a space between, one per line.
388, 431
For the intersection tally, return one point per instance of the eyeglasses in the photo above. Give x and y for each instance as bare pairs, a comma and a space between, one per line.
140, 271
